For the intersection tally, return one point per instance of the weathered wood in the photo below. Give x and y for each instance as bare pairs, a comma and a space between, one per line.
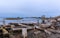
44, 25
47, 32
24, 32
25, 26
54, 31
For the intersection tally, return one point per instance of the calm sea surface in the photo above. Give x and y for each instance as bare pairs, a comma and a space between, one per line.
25, 20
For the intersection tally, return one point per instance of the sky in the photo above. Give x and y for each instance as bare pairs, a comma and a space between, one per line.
29, 8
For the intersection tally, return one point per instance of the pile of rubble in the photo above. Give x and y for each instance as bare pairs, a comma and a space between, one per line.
48, 28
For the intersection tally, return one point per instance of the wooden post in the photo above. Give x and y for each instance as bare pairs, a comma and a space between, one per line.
38, 22
3, 21
24, 32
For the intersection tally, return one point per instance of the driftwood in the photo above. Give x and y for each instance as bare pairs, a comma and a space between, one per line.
24, 32
53, 20
25, 26
58, 19
45, 25
54, 31
47, 31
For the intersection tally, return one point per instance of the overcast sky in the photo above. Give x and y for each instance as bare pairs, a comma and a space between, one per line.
28, 8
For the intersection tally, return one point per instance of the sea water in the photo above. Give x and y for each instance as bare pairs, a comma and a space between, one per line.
25, 20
